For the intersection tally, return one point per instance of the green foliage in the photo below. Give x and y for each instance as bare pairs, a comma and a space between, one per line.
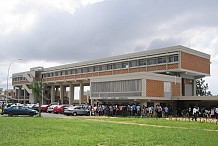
88, 132
36, 89
202, 88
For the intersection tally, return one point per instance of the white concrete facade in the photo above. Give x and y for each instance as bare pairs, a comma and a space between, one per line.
163, 68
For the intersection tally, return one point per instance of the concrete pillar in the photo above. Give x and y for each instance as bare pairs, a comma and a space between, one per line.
194, 87
71, 94
16, 93
81, 93
52, 93
24, 96
62, 94
143, 87
92, 102
19, 93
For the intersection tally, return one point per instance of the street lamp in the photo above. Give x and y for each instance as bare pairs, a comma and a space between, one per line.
6, 100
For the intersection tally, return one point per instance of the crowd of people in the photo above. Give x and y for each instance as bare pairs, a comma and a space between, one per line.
195, 112
157, 111
130, 110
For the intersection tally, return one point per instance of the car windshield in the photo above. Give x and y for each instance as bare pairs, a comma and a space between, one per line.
18, 107
75, 107
71, 107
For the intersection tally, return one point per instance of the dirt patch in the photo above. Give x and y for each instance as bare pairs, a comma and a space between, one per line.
150, 125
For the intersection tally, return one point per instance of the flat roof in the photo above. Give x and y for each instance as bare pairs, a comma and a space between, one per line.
204, 98
172, 49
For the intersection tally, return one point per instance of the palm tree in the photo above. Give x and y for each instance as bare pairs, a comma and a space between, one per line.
36, 87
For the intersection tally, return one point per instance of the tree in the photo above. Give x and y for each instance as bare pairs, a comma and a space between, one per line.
36, 87
202, 88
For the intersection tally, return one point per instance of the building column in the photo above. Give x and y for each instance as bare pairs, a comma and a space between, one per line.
61, 94
144, 87
52, 93
56, 93
81, 93
194, 87
71, 94
16, 93
24, 96
19, 93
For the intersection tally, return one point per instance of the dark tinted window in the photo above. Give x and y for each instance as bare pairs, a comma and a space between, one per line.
118, 65
133, 63
125, 64
152, 61
142, 62
109, 66
162, 60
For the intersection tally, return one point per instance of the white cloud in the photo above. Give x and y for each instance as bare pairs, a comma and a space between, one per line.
64, 31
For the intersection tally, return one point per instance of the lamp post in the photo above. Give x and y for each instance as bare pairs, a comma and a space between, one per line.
42, 91
6, 100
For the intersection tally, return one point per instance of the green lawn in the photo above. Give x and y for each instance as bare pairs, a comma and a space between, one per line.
36, 131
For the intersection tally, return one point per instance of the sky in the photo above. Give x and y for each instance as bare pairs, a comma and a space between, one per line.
55, 32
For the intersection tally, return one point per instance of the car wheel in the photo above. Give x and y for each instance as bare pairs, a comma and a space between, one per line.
74, 114
10, 114
88, 113
31, 114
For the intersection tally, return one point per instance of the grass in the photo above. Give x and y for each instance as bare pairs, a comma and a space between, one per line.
36, 131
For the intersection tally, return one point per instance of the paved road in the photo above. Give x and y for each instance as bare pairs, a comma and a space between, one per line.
51, 115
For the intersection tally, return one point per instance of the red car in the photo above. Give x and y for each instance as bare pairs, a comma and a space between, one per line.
60, 108
44, 108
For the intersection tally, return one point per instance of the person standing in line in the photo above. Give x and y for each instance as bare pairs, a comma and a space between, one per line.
212, 112
138, 108
151, 111
189, 112
3, 106
216, 112
111, 110
194, 113
166, 110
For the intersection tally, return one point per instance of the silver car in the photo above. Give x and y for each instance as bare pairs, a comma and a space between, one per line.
76, 110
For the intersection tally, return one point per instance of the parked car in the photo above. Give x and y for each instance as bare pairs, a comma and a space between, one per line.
60, 108
44, 108
35, 107
76, 110
19, 110
50, 108
29, 106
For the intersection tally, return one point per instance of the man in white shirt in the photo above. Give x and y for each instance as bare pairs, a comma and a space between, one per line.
216, 112
194, 113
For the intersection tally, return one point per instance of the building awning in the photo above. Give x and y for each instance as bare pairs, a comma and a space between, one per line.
203, 98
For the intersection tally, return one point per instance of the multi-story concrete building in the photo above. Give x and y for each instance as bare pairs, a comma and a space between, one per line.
156, 76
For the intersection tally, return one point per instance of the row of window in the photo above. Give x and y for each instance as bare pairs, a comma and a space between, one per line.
117, 86
19, 79
118, 65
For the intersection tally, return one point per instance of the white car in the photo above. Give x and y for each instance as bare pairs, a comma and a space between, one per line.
50, 108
